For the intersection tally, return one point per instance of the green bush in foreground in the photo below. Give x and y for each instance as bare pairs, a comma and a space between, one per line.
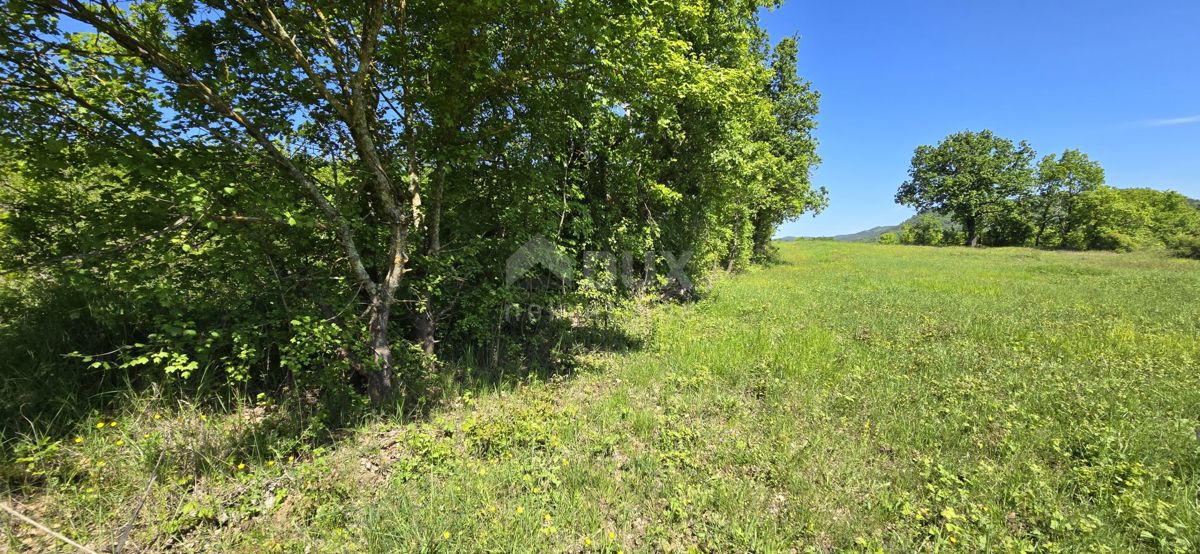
1187, 247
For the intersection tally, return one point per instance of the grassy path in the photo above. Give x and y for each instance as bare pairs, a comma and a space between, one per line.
855, 397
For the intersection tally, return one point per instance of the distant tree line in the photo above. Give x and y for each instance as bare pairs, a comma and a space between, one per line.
324, 194
975, 188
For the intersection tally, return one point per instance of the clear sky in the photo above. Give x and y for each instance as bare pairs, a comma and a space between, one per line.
1119, 80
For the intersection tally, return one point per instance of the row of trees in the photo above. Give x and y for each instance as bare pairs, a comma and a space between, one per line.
988, 190
247, 189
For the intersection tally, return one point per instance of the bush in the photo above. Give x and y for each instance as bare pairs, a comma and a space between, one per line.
1131, 219
1110, 239
926, 230
1187, 247
953, 236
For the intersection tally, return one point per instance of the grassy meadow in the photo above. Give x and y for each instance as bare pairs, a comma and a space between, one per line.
853, 397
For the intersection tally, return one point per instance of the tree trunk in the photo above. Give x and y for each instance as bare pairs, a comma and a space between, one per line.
762, 233
427, 327
1067, 219
972, 233
380, 388
426, 320
435, 211
735, 248
1043, 222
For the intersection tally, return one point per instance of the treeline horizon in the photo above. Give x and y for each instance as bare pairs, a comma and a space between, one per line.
979, 189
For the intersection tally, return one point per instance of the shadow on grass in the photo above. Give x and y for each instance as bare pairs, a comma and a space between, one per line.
46, 397
529, 346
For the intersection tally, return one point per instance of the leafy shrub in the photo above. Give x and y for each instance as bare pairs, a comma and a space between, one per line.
1187, 247
925, 230
953, 236
1130, 219
1111, 239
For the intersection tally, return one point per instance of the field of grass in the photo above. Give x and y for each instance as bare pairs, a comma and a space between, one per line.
854, 397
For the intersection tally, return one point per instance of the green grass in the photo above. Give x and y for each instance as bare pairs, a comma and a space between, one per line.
854, 397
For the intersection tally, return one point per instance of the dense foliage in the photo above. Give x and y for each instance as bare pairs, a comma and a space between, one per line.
987, 189
973, 177
925, 229
323, 194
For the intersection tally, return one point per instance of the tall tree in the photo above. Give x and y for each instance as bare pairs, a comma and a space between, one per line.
1060, 182
968, 176
794, 105
328, 159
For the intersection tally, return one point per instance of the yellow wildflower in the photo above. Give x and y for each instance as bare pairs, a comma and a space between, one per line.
587, 541
100, 425
520, 509
112, 424
78, 440
445, 535
120, 442
547, 517
241, 467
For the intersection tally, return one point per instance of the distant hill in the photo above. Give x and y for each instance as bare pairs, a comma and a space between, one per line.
870, 235
873, 234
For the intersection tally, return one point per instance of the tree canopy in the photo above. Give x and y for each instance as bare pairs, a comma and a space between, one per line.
969, 176
243, 188
990, 190
1060, 182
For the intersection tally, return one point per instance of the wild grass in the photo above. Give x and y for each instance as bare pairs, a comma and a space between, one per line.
851, 398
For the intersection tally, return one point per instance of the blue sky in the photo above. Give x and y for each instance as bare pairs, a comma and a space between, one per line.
1118, 80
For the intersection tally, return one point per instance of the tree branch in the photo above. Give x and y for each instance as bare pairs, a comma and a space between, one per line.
103, 251
115, 28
